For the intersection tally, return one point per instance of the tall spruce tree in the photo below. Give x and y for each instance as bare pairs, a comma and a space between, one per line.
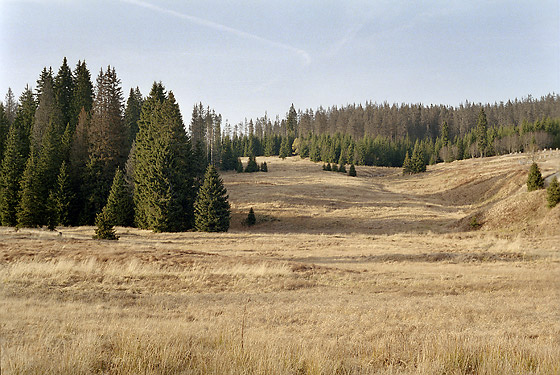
4, 126
64, 90
29, 212
212, 209
163, 176
61, 197
48, 113
13, 165
10, 105
132, 114
82, 96
120, 206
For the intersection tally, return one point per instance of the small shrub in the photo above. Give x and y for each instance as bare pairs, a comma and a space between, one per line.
251, 219
264, 167
105, 229
352, 171
334, 167
475, 224
553, 193
324, 167
535, 180
342, 168
328, 167
252, 165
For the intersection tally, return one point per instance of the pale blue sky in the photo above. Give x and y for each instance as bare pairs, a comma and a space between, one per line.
243, 58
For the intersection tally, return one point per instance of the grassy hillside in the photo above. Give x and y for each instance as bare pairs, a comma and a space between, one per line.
382, 273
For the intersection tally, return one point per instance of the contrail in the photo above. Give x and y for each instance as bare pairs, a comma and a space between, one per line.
217, 26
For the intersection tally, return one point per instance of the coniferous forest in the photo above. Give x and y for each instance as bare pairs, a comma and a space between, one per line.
73, 150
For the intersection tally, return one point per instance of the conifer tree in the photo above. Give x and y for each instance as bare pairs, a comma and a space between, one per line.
334, 167
553, 193
251, 219
328, 167
120, 206
105, 229
30, 210
285, 148
342, 168
212, 210
252, 165
4, 126
10, 106
535, 180
48, 113
24, 118
82, 96
239, 167
481, 133
229, 162
264, 167
62, 196
352, 171
64, 89
163, 176
13, 165
132, 114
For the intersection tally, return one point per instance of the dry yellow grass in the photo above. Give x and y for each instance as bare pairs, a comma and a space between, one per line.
378, 274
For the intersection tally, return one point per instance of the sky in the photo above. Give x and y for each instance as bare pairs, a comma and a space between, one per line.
245, 58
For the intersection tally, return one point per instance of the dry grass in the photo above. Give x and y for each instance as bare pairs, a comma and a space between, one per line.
380, 274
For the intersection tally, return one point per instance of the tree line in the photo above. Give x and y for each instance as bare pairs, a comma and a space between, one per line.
74, 154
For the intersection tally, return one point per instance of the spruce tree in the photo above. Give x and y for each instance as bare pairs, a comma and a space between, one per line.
285, 148
82, 96
10, 106
251, 219
252, 165
48, 114
352, 171
132, 114
239, 167
30, 209
264, 167
4, 126
105, 229
62, 196
64, 91
342, 168
120, 206
535, 180
13, 165
553, 193
328, 167
212, 210
164, 170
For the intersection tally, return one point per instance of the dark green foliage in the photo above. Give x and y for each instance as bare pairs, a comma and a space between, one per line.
251, 219
4, 126
105, 229
352, 171
264, 167
553, 193
239, 167
229, 161
342, 168
82, 97
481, 133
163, 173
64, 91
252, 165
120, 206
535, 180
328, 167
407, 165
291, 122
132, 114
61, 197
334, 168
13, 165
212, 210
48, 114
30, 210
285, 148
324, 167
10, 106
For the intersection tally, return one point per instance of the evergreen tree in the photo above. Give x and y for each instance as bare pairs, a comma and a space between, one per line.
407, 165
13, 165
10, 106
132, 114
163, 176
62, 196
229, 161
553, 193
352, 171
24, 118
252, 165
251, 219
239, 167
285, 148
328, 167
291, 122
47, 113
334, 167
4, 126
417, 162
120, 206
481, 133
445, 134
64, 90
30, 210
342, 168
535, 180
82, 96
105, 229
264, 167
269, 146
212, 210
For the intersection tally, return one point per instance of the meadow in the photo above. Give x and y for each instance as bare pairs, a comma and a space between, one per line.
454, 271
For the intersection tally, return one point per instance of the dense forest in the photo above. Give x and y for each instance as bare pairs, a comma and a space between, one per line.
72, 149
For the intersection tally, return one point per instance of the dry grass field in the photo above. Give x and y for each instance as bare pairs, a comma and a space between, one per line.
379, 274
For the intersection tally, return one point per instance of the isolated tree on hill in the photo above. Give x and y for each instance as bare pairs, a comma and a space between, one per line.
535, 180
251, 219
212, 210
553, 193
105, 229
352, 171
120, 206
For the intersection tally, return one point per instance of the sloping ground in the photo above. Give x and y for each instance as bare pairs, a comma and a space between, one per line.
298, 196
